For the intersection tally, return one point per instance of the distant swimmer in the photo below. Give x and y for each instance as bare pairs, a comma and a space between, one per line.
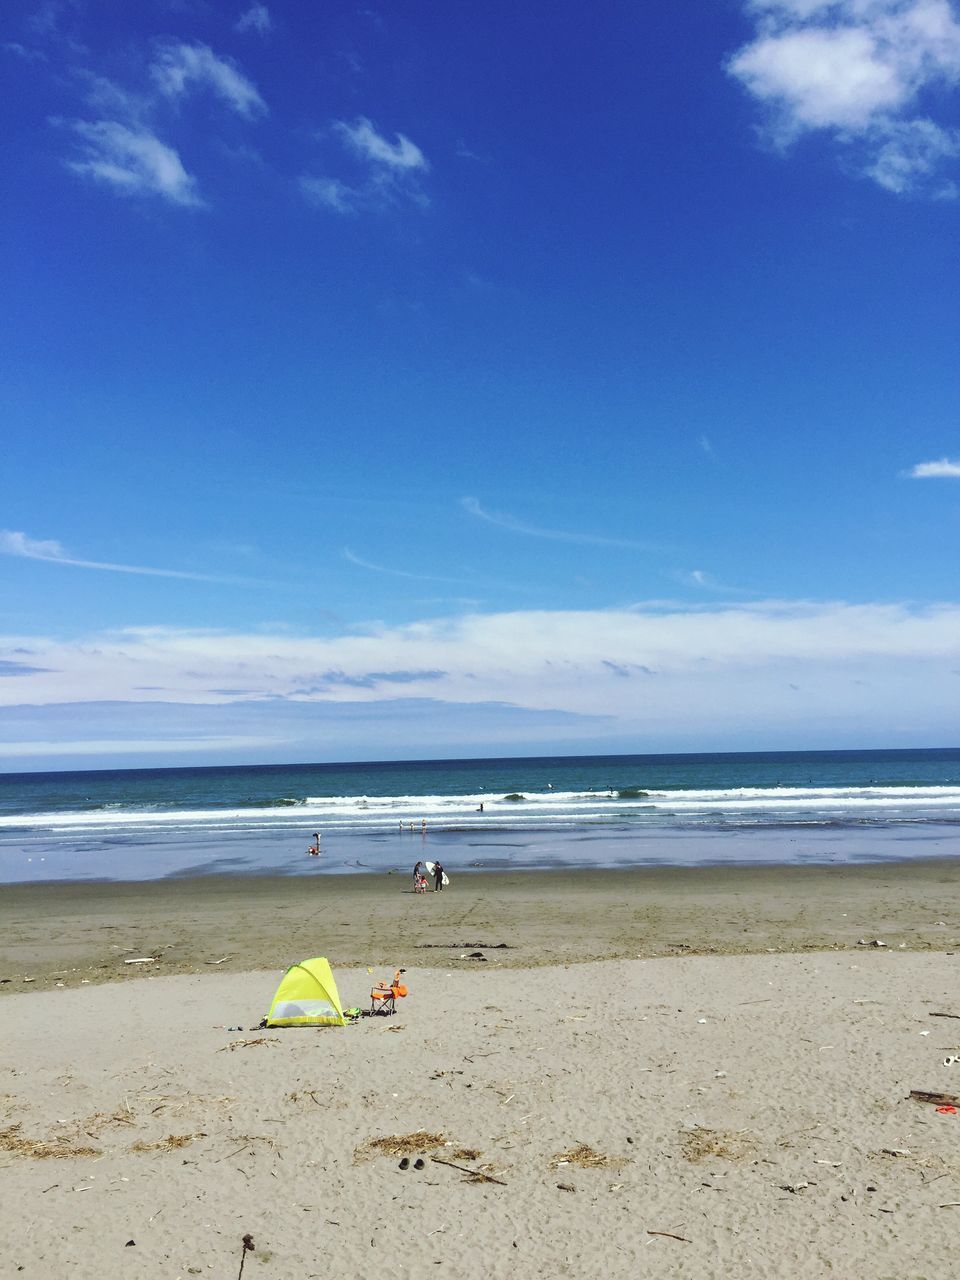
314, 849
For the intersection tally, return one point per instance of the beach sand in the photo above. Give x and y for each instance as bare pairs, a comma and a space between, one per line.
754, 1105
69, 932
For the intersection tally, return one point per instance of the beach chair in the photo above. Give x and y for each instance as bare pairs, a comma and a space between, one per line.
384, 997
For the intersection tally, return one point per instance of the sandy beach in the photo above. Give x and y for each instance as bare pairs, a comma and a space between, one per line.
68, 933
695, 1113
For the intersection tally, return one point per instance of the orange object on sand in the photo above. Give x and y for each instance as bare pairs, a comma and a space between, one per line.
383, 998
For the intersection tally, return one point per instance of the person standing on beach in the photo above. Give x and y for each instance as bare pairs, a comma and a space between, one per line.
437, 876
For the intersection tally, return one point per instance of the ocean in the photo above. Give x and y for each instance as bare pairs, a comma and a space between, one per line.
494, 814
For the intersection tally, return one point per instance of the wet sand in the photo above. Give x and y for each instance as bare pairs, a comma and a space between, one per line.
72, 933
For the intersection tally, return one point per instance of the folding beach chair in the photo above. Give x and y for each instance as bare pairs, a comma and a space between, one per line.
383, 998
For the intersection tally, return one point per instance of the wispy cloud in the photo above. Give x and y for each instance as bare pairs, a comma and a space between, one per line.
331, 193
394, 573
513, 525
386, 171
180, 67
401, 156
256, 18
122, 148
61, 747
13, 543
943, 467
21, 51
707, 582
132, 161
854, 71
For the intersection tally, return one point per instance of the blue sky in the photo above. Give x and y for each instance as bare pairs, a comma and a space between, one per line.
397, 379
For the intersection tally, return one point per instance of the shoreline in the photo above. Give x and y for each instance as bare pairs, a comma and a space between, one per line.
158, 856
70, 933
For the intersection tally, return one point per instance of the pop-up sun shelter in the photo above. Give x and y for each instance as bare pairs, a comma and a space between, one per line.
307, 997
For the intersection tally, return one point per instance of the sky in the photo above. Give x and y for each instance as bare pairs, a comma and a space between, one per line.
397, 380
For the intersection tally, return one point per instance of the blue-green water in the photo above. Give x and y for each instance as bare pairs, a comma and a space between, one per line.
583, 810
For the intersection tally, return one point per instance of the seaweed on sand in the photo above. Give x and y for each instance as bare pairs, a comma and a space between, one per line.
12, 1141
585, 1157
700, 1143
173, 1142
406, 1144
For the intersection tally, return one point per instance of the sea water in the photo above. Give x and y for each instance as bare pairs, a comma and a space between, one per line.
482, 814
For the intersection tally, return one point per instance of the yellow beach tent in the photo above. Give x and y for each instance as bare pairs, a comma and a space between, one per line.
307, 997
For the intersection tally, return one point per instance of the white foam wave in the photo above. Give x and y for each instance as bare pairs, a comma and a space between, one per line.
385, 813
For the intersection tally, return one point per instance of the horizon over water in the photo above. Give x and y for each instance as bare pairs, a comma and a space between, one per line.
540, 811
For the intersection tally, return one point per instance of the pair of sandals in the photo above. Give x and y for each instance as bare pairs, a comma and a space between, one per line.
417, 1164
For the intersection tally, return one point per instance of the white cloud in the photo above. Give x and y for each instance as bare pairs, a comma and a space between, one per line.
331, 193
936, 470
180, 67
387, 171
133, 161
822, 77
720, 673
256, 18
107, 98
128, 746
906, 154
504, 521
14, 543
394, 573
22, 52
403, 155
855, 70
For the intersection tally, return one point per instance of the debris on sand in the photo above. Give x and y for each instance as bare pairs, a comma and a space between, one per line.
173, 1142
473, 1175
406, 1144
12, 1141
585, 1157
246, 1044
700, 1143
936, 1099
